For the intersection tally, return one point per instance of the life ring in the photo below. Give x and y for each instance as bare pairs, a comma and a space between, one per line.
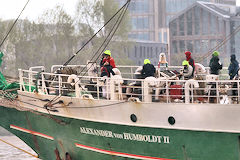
71, 78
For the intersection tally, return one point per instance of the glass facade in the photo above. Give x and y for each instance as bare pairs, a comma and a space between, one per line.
143, 13
141, 6
140, 36
140, 23
142, 50
201, 32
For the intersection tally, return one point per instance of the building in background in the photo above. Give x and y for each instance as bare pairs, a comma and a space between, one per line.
202, 26
150, 18
146, 49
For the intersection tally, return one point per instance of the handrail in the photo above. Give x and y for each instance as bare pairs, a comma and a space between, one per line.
155, 90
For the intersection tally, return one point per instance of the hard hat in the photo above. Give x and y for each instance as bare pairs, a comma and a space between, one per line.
147, 61
107, 52
215, 53
185, 62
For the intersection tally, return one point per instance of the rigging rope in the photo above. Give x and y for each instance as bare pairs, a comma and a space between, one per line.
70, 59
13, 25
107, 40
220, 44
19, 148
123, 10
110, 34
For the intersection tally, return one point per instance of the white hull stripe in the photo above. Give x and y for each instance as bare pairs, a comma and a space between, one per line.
118, 153
31, 132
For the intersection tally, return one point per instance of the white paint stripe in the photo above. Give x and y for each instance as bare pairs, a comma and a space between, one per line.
119, 153
31, 132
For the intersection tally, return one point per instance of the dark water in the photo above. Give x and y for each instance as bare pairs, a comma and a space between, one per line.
8, 152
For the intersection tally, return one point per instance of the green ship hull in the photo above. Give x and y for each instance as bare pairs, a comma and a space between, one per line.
88, 140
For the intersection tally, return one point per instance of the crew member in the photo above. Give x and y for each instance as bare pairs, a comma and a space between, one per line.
190, 60
148, 69
233, 67
108, 64
233, 71
215, 65
108, 60
187, 70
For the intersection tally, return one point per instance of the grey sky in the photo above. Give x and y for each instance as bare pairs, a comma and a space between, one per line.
9, 9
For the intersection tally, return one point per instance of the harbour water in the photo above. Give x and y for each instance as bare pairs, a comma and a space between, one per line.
8, 152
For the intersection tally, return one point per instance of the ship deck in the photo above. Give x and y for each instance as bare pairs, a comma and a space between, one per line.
167, 86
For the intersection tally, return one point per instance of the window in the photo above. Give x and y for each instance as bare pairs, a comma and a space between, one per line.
144, 52
190, 46
174, 47
213, 25
135, 48
205, 46
181, 46
221, 26
140, 52
189, 22
160, 37
205, 16
197, 47
173, 27
134, 23
197, 20
144, 36
151, 52
213, 43
156, 53
181, 25
165, 37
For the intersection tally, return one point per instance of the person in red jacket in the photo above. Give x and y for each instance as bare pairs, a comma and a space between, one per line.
108, 60
108, 64
190, 60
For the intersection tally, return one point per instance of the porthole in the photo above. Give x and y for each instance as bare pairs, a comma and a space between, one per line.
171, 120
133, 118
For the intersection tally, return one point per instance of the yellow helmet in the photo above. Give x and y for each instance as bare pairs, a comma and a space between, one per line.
147, 61
216, 53
107, 52
185, 62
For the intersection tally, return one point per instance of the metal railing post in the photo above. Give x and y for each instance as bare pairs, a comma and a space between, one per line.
22, 87
59, 85
98, 89
167, 92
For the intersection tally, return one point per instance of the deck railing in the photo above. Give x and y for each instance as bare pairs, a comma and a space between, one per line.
159, 90
128, 71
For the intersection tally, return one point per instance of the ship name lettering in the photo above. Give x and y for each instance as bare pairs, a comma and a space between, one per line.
126, 136
96, 132
146, 138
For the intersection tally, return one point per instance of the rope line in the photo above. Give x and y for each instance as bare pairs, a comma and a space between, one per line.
107, 41
220, 44
99, 106
19, 148
13, 24
69, 60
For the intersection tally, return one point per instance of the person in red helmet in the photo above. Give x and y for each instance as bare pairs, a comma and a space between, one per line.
190, 60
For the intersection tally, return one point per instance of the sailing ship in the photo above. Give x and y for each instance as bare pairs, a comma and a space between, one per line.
136, 119
73, 113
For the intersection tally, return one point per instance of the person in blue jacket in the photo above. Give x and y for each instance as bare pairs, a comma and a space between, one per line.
233, 67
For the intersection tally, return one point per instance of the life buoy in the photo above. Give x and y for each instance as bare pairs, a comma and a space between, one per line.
71, 78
